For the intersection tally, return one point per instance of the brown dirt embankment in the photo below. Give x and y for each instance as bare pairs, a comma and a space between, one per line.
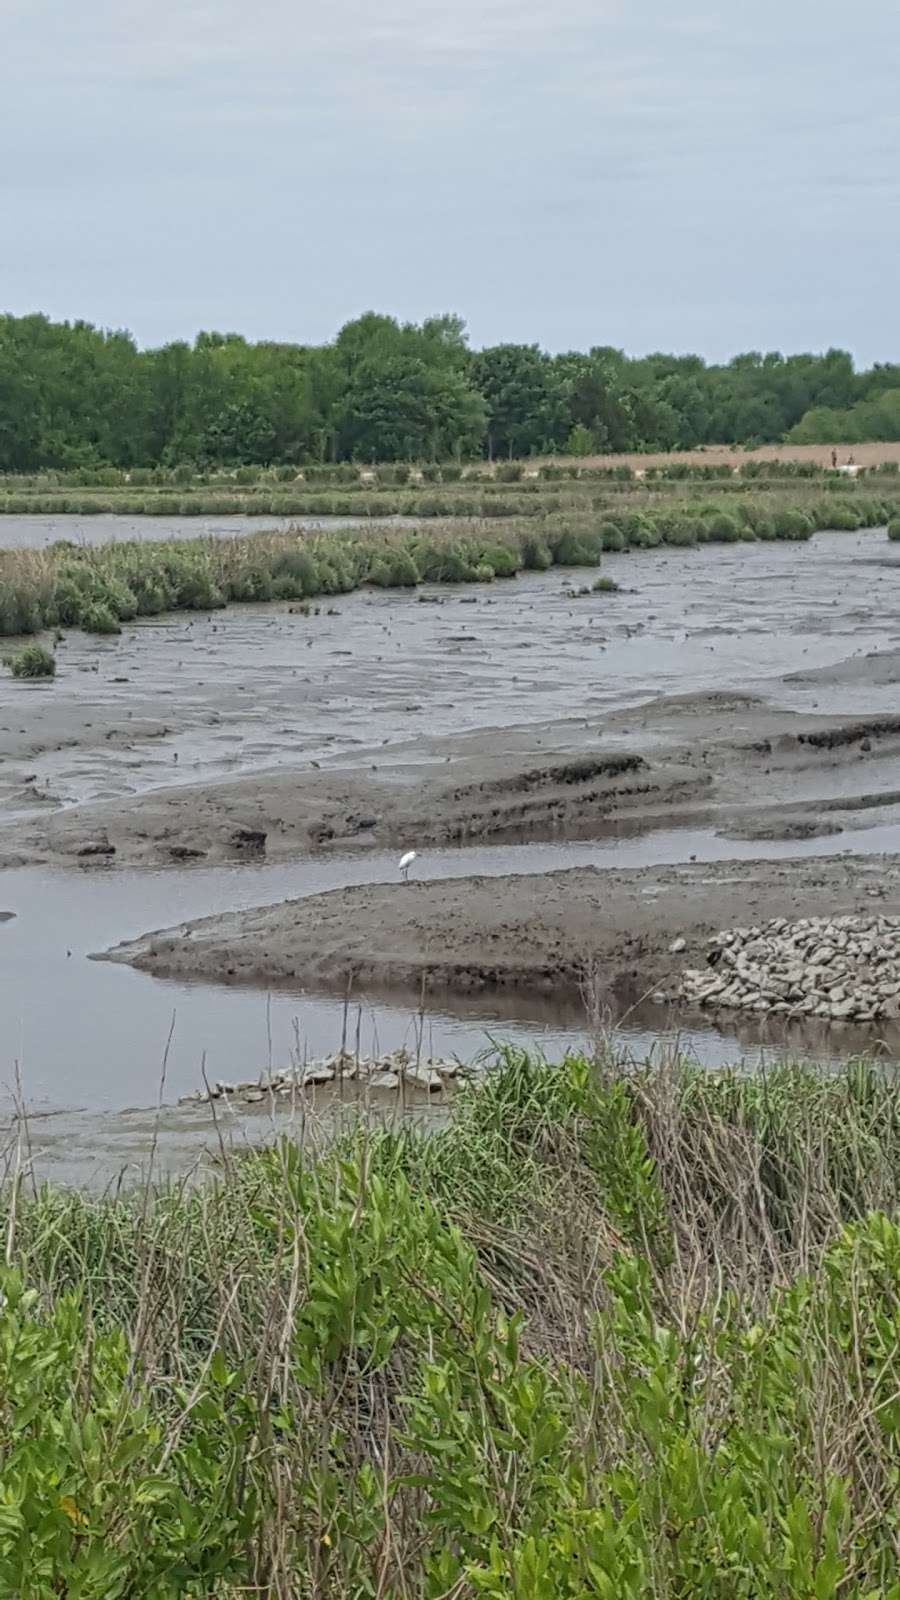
542, 934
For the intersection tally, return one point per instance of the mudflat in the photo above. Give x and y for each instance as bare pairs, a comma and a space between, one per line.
611, 932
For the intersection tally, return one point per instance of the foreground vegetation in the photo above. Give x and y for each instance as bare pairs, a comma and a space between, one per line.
100, 587
614, 1333
73, 396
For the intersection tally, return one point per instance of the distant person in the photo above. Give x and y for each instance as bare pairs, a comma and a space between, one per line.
834, 458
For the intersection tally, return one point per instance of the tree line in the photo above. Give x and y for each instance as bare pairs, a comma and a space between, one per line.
73, 395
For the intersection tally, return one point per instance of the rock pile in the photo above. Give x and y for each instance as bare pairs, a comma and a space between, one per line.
394, 1071
842, 969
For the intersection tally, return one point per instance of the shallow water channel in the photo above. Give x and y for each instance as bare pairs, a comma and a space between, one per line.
90, 1034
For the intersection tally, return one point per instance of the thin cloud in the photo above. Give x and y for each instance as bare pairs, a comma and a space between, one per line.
595, 172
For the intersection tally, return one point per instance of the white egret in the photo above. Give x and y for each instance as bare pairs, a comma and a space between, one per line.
405, 864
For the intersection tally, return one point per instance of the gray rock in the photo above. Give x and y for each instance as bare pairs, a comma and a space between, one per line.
384, 1080
317, 1074
422, 1077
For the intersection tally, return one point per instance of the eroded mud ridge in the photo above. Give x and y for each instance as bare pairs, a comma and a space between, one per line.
841, 969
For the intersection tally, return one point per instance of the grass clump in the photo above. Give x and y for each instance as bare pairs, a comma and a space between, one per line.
792, 523
504, 561
612, 1332
98, 617
894, 528
396, 569
611, 536
604, 585
723, 528
31, 662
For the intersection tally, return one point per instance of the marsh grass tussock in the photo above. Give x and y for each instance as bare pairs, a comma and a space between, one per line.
99, 588
616, 1331
31, 662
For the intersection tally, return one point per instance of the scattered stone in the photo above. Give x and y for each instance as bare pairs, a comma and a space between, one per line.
386, 1072
839, 969
313, 1076
676, 947
423, 1078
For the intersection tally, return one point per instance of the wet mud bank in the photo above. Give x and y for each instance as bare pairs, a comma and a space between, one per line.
736, 763
613, 934
321, 728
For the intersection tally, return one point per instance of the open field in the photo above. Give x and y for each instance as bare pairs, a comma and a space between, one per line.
869, 454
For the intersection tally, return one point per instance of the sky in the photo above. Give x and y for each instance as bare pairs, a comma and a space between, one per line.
704, 177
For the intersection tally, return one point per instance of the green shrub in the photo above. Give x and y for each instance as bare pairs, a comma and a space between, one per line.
98, 1503
503, 561
605, 586
580, 442
722, 527
484, 572
894, 528
614, 1331
98, 618
681, 531
395, 568
612, 536
535, 553
443, 563
791, 523
32, 662
509, 471
644, 533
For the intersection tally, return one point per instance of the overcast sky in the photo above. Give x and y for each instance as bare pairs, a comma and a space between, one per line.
643, 173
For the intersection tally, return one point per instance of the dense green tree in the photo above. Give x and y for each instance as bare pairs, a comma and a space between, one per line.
75, 396
525, 400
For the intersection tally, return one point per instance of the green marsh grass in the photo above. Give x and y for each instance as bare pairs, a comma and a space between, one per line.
34, 661
100, 587
623, 1331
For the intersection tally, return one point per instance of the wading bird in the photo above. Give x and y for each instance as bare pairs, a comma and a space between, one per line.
405, 864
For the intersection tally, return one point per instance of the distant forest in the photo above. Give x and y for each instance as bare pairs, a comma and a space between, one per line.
72, 395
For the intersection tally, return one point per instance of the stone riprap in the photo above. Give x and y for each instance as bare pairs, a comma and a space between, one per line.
840, 969
394, 1071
